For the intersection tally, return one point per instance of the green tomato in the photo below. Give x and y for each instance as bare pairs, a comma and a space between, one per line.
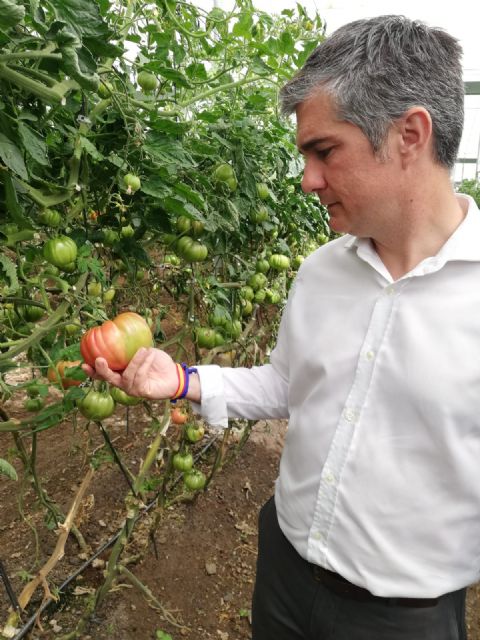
108, 295
233, 328
232, 183
123, 398
183, 462
61, 252
247, 307
194, 480
247, 293
94, 289
110, 237
197, 228
32, 313
219, 339
224, 172
96, 405
171, 258
132, 182
260, 215
262, 190
127, 231
260, 295
279, 262
105, 89
72, 329
34, 404
322, 238
257, 281
50, 218
194, 251
194, 433
183, 224
262, 266
297, 261
205, 337
147, 81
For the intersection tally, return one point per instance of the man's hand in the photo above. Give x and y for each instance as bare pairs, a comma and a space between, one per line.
151, 374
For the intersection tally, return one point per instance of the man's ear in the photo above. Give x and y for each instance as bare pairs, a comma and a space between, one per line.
415, 134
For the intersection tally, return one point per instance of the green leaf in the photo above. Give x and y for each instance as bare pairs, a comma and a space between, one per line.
12, 157
6, 469
91, 149
173, 75
10, 270
161, 635
34, 145
243, 27
190, 194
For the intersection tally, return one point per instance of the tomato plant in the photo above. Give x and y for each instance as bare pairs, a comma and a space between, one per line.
116, 340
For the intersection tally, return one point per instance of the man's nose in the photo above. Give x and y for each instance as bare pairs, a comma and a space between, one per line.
313, 178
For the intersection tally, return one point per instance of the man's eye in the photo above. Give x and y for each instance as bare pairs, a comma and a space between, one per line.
323, 153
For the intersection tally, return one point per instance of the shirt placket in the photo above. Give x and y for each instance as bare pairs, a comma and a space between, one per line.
349, 422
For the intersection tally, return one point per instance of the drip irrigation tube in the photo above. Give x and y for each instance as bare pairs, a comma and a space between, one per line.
31, 621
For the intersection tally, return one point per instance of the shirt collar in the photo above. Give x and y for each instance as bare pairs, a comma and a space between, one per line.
463, 244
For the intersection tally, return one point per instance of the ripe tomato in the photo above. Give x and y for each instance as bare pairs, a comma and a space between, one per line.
61, 252
96, 405
279, 262
147, 81
116, 340
195, 433
132, 182
50, 218
183, 462
61, 366
123, 398
194, 480
177, 416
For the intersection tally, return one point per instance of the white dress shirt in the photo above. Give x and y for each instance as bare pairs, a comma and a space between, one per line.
380, 380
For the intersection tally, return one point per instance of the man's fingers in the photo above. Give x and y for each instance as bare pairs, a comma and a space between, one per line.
102, 369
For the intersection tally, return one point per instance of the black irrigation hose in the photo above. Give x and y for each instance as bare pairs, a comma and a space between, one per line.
31, 621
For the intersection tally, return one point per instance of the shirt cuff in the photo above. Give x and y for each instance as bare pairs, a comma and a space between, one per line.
213, 407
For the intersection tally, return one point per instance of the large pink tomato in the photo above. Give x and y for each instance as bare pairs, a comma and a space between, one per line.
116, 340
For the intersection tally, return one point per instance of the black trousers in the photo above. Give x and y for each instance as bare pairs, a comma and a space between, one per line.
289, 603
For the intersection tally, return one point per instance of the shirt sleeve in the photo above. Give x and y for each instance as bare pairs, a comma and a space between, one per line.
252, 393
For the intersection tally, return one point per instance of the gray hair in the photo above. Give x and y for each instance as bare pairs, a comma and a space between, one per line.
376, 69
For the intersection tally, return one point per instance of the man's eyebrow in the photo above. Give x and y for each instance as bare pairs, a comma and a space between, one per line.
306, 146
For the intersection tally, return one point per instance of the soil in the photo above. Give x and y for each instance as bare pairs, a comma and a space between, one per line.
201, 567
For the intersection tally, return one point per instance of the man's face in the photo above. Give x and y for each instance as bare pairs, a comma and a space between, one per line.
356, 186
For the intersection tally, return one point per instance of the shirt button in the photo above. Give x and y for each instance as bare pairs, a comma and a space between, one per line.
389, 291
349, 415
318, 535
329, 477
370, 355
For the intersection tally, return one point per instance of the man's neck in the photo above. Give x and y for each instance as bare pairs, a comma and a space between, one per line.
422, 230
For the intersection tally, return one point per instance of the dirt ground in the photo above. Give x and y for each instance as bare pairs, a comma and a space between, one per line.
201, 567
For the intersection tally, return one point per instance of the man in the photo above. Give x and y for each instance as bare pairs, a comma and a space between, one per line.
374, 530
